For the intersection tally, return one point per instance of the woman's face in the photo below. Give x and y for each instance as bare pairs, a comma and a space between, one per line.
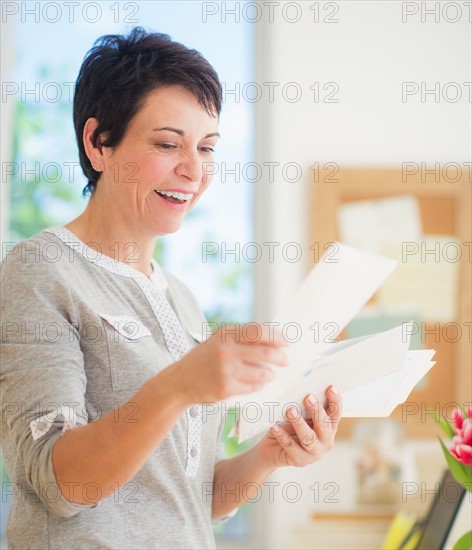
167, 149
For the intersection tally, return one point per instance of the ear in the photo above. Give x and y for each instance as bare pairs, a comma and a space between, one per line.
94, 152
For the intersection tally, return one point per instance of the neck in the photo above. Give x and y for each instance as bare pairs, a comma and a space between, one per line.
114, 234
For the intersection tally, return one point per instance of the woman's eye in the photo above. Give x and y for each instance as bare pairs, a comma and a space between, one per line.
207, 149
166, 146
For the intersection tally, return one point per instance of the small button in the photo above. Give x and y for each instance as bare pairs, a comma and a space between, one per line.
193, 411
193, 452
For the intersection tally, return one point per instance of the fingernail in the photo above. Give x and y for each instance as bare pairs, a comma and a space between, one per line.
334, 390
292, 412
311, 399
276, 428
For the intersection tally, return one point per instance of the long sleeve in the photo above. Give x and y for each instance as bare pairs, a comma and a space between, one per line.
42, 375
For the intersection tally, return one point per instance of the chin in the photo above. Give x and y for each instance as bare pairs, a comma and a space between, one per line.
168, 229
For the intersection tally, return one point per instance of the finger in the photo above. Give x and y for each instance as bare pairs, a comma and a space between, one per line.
252, 333
334, 406
290, 446
251, 378
258, 353
306, 435
254, 374
321, 421
265, 334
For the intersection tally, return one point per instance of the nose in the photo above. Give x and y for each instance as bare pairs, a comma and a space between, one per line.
190, 166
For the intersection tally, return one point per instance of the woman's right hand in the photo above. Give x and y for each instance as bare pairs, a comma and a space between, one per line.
229, 363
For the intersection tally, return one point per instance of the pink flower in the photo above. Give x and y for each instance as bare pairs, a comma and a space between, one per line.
462, 442
463, 453
458, 419
466, 432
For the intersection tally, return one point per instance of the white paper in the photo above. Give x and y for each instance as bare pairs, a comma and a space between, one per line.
330, 296
375, 372
376, 393
380, 397
354, 364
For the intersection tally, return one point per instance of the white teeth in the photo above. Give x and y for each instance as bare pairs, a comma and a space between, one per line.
176, 195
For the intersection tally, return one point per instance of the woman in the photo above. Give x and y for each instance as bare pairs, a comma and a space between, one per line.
104, 431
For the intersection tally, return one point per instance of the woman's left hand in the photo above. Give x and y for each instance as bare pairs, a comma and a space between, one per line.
300, 442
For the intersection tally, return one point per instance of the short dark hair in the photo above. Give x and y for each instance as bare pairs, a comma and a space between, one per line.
120, 71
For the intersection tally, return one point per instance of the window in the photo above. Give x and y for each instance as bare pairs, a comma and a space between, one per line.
44, 176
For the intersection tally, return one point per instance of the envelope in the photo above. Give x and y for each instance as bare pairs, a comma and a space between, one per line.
375, 373
333, 292
380, 397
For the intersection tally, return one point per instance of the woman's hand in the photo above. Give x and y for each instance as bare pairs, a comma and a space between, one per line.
229, 363
300, 442
295, 443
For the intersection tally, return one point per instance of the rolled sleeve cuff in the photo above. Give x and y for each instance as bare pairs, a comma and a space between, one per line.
43, 478
224, 519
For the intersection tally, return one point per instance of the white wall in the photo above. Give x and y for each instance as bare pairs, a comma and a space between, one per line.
369, 53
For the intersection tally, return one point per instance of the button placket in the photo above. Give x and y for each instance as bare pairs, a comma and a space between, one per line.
177, 345
194, 418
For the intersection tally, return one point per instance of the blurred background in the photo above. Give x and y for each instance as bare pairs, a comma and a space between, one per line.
342, 120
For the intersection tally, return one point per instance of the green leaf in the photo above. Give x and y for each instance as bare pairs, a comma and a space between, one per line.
464, 543
447, 428
462, 473
442, 423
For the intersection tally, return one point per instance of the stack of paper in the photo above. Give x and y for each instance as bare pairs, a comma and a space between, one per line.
375, 373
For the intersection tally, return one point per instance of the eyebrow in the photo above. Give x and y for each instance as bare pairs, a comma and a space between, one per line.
181, 132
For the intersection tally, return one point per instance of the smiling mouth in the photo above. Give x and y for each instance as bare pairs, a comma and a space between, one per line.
174, 196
